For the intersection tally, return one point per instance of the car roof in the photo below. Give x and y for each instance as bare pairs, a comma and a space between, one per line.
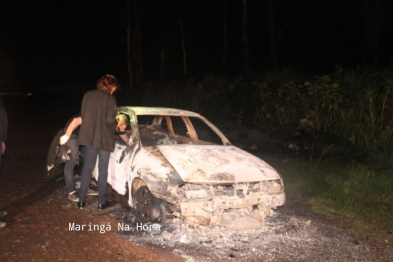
143, 110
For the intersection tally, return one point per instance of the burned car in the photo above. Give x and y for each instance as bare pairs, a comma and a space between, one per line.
178, 164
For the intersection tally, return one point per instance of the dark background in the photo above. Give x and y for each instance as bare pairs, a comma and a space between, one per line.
45, 44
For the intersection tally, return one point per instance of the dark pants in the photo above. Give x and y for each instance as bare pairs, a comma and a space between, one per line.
89, 163
70, 164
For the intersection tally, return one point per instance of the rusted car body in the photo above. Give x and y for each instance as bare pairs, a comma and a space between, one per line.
179, 164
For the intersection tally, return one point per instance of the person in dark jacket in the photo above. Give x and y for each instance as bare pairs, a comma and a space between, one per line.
97, 134
3, 138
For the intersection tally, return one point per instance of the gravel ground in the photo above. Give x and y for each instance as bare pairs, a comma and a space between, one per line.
39, 217
289, 235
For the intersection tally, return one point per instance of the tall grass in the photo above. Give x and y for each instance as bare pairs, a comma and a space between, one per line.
353, 106
357, 196
363, 196
356, 110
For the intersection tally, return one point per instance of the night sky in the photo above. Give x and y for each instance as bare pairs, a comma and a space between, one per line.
48, 43
59, 42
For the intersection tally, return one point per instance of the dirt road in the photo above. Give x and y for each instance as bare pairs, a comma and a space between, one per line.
43, 225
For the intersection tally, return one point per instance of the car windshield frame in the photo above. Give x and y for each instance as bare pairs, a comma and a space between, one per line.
158, 114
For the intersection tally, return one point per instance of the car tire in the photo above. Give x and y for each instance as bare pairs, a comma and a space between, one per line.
147, 207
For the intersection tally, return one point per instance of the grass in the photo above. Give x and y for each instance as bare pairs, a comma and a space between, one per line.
358, 197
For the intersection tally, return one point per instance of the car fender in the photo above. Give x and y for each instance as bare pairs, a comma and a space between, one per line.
156, 172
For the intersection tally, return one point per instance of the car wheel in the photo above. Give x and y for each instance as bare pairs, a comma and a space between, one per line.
147, 207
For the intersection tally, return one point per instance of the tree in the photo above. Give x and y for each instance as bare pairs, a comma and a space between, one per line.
281, 17
246, 58
274, 38
134, 50
168, 28
183, 46
376, 14
162, 36
225, 35
128, 13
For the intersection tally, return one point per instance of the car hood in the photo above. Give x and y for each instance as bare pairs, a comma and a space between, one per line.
216, 164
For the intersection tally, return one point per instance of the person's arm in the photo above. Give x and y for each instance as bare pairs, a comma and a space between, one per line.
125, 138
77, 121
3, 147
120, 130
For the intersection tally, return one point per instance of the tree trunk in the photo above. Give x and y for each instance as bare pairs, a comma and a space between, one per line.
137, 44
273, 36
162, 60
162, 41
182, 42
245, 36
373, 15
225, 36
129, 56
134, 50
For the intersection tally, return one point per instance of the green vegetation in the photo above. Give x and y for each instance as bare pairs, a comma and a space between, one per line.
358, 197
350, 110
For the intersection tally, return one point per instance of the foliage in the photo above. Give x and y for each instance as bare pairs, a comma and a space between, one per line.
352, 108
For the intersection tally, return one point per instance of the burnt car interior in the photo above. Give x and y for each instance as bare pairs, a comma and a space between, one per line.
172, 130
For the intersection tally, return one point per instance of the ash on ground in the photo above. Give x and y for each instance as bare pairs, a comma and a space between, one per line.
286, 236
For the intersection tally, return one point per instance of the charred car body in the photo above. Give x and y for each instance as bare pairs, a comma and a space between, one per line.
179, 164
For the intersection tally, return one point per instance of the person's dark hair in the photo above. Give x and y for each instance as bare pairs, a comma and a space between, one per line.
107, 83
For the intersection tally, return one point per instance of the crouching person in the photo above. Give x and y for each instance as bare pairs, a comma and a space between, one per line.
70, 138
